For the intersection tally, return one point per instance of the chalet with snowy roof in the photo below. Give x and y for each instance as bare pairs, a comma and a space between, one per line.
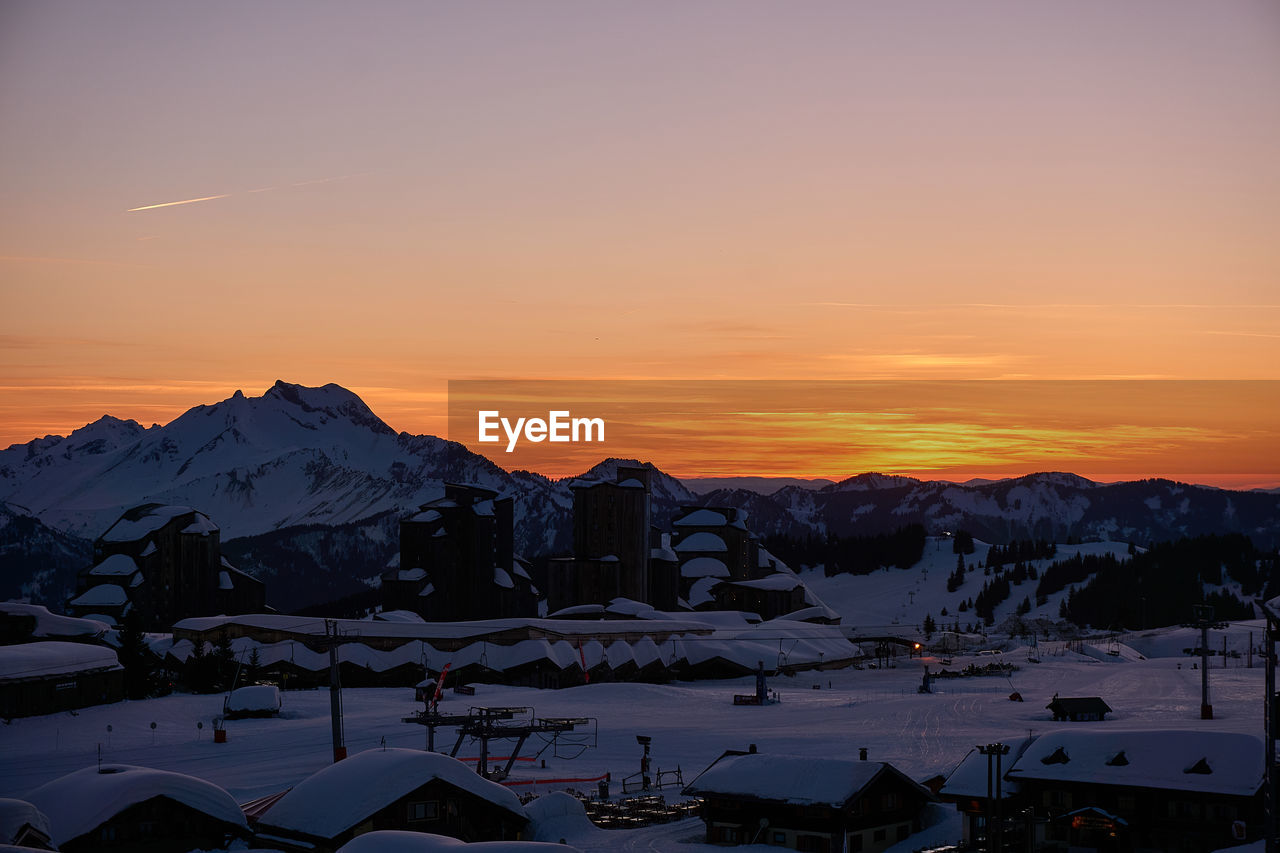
126, 808
165, 563
1174, 791
457, 563
817, 804
49, 676
968, 785
23, 825
390, 789
22, 623
1079, 709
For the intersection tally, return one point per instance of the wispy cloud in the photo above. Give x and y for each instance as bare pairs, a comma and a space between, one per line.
1239, 334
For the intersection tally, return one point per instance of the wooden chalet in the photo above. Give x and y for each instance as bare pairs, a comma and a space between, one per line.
1079, 710
119, 807
812, 804
389, 789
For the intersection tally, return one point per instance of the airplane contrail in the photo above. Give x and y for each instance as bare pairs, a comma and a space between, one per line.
258, 190
172, 203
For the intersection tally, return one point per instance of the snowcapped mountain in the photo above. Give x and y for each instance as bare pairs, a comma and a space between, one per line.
314, 473
37, 562
293, 456
1054, 506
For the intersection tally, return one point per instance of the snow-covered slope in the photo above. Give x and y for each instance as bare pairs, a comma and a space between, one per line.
295, 455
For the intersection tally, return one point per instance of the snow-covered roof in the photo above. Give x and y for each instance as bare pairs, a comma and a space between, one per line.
790, 778
502, 578
701, 541
579, 610
342, 795
629, 607
50, 657
701, 518
82, 801
408, 841
411, 574
224, 581
704, 567
425, 516
1165, 760
116, 565
201, 525
52, 624
700, 592
969, 779
102, 595
779, 581
15, 814
399, 616
147, 522
151, 549
427, 591
631, 483
254, 697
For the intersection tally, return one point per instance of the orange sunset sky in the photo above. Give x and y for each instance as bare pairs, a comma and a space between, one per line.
391, 195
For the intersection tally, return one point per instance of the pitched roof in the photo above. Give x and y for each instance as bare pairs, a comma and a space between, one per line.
1163, 760
1077, 705
82, 801
338, 797
792, 778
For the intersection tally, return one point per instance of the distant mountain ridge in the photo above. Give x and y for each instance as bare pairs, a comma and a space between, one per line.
273, 471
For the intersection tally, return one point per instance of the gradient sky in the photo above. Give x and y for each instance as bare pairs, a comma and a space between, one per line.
396, 194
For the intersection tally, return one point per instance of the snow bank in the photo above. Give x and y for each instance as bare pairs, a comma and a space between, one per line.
557, 815
344, 794
82, 801
256, 698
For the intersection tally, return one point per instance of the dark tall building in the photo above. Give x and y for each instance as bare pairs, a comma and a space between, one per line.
612, 520
166, 563
457, 561
613, 547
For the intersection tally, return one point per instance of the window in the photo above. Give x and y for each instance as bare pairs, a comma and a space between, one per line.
890, 801
779, 838
904, 830
428, 810
879, 835
855, 843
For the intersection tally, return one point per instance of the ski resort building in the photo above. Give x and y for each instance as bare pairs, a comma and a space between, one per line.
1102, 790
49, 676
390, 789
457, 561
616, 551
648, 645
126, 808
165, 563
813, 804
